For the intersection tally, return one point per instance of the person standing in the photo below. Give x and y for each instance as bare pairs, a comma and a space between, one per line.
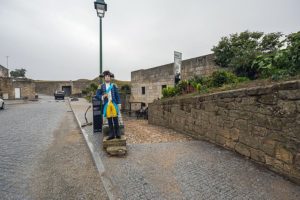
109, 94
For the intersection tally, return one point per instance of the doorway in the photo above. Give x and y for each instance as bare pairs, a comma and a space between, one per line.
17, 93
67, 90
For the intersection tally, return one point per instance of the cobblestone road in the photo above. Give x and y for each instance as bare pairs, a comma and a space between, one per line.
187, 170
25, 131
29, 138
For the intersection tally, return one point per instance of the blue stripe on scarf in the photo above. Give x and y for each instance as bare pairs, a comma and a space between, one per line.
115, 105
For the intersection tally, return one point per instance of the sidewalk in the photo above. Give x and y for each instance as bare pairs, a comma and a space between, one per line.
179, 168
13, 102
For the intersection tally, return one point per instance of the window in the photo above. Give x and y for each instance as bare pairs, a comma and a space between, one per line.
143, 90
163, 87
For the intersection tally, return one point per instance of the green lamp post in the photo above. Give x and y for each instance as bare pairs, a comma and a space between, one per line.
101, 8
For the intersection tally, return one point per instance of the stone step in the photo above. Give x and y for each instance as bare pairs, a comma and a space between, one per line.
114, 143
117, 150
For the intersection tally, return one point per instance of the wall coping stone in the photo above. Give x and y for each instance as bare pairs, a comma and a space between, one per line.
241, 92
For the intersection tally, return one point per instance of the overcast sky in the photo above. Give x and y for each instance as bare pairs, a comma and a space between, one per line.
59, 39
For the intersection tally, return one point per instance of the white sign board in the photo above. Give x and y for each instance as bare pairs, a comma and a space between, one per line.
177, 62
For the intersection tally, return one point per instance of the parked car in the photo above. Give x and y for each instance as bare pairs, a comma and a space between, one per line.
59, 95
2, 105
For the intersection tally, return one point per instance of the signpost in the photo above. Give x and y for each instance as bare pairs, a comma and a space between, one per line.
177, 66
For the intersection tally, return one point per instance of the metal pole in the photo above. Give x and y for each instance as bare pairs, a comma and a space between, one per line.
7, 64
100, 45
7, 61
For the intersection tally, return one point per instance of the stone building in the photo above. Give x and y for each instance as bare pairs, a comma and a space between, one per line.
18, 88
70, 87
199, 66
3, 71
147, 84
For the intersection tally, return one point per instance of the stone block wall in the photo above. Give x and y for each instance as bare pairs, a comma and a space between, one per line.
199, 66
27, 88
152, 79
6, 88
3, 71
260, 123
8, 85
49, 87
80, 85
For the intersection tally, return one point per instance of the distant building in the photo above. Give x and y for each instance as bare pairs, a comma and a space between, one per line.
73, 88
147, 84
17, 88
3, 71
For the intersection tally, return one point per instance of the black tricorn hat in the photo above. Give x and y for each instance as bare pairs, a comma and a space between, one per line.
107, 73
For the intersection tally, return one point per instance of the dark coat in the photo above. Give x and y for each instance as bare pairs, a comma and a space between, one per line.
114, 94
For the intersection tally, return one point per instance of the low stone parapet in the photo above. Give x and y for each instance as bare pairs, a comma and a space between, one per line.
261, 123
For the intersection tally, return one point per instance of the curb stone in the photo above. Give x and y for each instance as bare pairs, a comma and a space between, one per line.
96, 158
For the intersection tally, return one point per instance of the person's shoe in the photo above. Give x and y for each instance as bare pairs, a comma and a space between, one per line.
110, 138
118, 137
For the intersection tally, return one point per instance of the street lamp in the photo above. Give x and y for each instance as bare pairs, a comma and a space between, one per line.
101, 8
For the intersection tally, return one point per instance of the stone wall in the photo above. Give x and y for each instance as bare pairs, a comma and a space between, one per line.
49, 87
152, 79
6, 88
200, 66
3, 71
260, 123
8, 85
27, 88
80, 85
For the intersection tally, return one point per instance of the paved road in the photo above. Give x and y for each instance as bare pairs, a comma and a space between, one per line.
40, 157
186, 170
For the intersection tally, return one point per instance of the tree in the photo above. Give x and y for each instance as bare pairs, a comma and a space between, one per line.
293, 50
239, 51
18, 73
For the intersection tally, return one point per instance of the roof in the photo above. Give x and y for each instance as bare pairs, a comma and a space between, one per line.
3, 67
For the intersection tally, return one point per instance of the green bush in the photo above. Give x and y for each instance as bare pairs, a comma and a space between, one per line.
242, 79
169, 92
199, 87
219, 78
181, 86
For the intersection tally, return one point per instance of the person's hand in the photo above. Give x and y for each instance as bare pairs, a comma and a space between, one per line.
105, 96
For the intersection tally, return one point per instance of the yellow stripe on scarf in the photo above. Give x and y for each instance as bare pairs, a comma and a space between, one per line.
111, 110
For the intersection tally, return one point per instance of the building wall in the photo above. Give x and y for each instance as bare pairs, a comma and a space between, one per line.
260, 123
27, 88
6, 88
8, 85
78, 86
3, 71
200, 66
49, 87
152, 79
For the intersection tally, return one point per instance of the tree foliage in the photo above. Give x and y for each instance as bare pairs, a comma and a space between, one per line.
18, 73
259, 55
